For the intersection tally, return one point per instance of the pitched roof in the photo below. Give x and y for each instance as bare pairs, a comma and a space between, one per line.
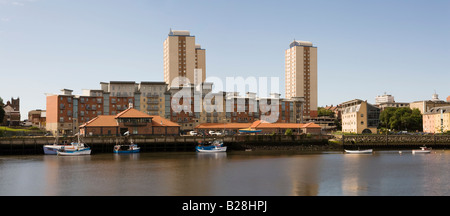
260, 124
311, 125
223, 125
111, 120
132, 113
160, 121
101, 121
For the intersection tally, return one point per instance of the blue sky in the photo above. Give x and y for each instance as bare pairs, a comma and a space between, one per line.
365, 48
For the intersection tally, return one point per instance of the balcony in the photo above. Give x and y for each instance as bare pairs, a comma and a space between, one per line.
150, 108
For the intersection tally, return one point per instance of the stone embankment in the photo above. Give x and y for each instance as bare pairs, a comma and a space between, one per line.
395, 141
34, 145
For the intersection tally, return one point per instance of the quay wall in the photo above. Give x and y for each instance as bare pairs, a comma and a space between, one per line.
394, 141
34, 145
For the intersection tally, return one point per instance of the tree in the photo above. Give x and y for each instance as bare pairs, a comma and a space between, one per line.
2, 111
324, 112
403, 118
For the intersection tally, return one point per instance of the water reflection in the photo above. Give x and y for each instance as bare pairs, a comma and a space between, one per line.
354, 176
232, 173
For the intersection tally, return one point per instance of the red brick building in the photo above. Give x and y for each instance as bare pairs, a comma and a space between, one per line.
132, 120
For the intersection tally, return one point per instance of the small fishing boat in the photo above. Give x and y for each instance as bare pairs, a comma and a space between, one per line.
127, 147
79, 149
364, 151
76, 148
215, 146
52, 149
422, 150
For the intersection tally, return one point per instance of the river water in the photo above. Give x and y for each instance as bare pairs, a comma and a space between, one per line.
235, 173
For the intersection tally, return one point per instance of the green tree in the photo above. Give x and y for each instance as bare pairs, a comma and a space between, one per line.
2, 111
324, 112
403, 118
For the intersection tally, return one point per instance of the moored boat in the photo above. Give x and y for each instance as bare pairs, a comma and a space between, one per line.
130, 148
422, 150
76, 148
52, 149
215, 146
127, 147
80, 149
364, 151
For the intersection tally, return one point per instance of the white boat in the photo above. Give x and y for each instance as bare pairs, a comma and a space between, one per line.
75, 149
78, 150
215, 149
53, 148
421, 150
364, 151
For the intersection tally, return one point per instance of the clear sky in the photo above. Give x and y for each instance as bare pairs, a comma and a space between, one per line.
365, 48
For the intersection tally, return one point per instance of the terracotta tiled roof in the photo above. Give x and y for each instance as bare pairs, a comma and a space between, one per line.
101, 121
311, 125
222, 125
160, 121
256, 125
111, 120
132, 113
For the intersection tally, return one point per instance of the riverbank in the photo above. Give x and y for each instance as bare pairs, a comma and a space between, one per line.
34, 145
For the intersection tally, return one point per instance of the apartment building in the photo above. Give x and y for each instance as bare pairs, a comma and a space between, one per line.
188, 106
301, 75
183, 58
436, 120
65, 111
358, 116
37, 118
426, 105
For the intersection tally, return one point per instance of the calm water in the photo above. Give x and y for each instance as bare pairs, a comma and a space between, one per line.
256, 173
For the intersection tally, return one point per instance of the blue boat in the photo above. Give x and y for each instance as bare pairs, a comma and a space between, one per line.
215, 146
131, 148
128, 147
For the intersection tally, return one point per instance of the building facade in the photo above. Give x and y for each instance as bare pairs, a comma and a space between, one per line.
12, 113
37, 118
65, 111
301, 75
358, 116
426, 105
130, 120
183, 58
436, 120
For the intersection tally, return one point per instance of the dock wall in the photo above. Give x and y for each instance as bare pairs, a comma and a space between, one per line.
34, 145
395, 141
